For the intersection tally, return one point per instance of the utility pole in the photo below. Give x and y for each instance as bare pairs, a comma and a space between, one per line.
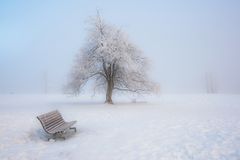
45, 78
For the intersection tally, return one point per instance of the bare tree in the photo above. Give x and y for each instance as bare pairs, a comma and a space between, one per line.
210, 83
111, 60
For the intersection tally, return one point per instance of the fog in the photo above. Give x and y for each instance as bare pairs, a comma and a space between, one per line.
188, 43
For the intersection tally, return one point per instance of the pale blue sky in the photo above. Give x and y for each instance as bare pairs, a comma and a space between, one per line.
183, 39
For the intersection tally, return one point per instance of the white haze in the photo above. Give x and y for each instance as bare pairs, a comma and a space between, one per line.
184, 40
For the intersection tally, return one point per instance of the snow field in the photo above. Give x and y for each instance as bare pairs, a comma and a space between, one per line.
169, 127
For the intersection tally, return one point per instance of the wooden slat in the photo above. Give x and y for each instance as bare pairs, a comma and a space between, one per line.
55, 125
63, 127
48, 114
53, 122
52, 118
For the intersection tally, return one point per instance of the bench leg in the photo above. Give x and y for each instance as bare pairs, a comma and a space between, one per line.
74, 128
53, 136
60, 134
57, 135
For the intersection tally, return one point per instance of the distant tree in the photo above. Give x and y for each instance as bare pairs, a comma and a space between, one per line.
112, 61
210, 83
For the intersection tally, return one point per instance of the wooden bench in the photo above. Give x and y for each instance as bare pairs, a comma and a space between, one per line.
53, 124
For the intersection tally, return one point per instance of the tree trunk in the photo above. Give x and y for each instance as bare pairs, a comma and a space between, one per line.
109, 92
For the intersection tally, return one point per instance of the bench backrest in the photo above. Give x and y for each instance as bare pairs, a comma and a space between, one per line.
51, 120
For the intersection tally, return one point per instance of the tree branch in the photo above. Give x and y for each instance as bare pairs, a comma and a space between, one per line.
94, 74
130, 90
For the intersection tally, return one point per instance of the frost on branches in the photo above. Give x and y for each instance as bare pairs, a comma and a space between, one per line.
112, 61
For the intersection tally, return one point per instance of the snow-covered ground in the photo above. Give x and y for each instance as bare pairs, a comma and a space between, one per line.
170, 127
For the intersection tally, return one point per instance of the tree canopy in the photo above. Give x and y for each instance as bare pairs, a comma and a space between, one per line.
111, 60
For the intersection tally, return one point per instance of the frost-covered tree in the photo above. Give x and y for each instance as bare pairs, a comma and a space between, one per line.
111, 60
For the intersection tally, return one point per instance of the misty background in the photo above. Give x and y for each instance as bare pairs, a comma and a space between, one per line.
191, 45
